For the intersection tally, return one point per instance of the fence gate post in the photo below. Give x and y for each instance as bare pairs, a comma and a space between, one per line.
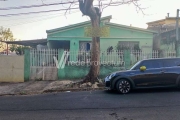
127, 58
27, 65
61, 73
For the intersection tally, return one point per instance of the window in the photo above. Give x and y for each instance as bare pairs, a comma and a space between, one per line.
84, 46
128, 44
136, 66
152, 64
170, 63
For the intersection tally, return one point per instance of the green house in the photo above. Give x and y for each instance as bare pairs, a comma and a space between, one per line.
75, 63
73, 37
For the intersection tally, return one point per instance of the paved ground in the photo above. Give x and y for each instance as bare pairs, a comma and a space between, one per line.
93, 105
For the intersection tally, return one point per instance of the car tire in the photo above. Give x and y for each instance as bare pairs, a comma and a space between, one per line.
123, 86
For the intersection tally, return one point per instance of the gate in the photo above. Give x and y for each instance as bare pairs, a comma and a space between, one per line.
42, 65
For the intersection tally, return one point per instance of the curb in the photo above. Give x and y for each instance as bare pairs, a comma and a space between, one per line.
73, 89
54, 90
7, 94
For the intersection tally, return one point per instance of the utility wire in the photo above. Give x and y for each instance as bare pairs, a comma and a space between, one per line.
42, 5
28, 13
37, 20
22, 18
117, 3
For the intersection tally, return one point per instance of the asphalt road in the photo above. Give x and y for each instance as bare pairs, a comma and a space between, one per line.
149, 104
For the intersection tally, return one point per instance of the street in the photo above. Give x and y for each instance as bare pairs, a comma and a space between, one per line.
156, 104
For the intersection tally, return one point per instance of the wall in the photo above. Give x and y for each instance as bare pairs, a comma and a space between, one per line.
168, 40
127, 34
105, 43
11, 68
78, 72
76, 34
170, 46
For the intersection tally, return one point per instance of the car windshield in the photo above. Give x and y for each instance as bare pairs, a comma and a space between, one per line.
134, 66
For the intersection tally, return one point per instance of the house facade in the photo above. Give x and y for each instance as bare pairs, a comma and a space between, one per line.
165, 38
73, 37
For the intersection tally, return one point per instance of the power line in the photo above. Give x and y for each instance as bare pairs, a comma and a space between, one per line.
28, 13
51, 4
43, 5
38, 20
66, 9
6, 18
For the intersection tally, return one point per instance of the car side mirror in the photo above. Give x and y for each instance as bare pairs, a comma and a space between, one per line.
143, 68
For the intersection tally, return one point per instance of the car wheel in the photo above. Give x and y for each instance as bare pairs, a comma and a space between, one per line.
123, 86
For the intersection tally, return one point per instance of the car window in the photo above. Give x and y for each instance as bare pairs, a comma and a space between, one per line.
136, 66
171, 63
152, 64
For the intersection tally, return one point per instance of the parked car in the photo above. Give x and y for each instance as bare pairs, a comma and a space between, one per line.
149, 73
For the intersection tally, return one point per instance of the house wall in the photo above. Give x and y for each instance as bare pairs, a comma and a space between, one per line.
105, 43
162, 22
75, 35
167, 40
170, 46
123, 34
11, 68
171, 21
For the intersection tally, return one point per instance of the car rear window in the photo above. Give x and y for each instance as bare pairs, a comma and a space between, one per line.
171, 63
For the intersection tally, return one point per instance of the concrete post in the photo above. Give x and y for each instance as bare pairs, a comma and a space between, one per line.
127, 58
177, 35
61, 73
27, 65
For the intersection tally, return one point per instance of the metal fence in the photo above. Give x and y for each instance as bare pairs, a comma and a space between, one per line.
79, 56
137, 55
140, 55
45, 57
43, 63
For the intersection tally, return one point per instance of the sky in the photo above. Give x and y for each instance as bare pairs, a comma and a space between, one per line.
34, 26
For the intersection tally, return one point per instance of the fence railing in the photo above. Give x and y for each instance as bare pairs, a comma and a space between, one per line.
45, 57
168, 54
79, 56
137, 55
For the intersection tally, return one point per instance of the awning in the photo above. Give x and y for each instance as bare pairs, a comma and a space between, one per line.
32, 43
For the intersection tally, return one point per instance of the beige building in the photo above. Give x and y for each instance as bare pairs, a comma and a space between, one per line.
165, 39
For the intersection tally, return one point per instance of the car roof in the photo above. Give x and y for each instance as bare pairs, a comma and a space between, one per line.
160, 59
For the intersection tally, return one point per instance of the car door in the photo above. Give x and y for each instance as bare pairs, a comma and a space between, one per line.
150, 77
171, 72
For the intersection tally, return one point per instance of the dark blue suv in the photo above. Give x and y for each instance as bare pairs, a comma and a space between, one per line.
150, 73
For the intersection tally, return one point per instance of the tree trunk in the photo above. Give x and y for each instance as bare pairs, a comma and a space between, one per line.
87, 8
95, 56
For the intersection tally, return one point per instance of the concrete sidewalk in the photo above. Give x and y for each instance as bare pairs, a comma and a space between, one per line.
40, 87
